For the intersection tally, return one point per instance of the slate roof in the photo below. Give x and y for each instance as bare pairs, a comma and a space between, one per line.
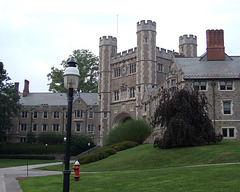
55, 99
200, 68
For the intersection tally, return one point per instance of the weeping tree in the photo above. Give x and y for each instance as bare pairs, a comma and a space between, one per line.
185, 120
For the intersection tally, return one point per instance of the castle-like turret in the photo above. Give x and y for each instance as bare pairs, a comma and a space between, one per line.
188, 45
107, 49
146, 76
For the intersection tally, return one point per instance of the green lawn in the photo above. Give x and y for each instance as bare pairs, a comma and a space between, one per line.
20, 162
144, 168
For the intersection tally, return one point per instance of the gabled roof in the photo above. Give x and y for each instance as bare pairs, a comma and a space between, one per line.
89, 98
200, 68
55, 99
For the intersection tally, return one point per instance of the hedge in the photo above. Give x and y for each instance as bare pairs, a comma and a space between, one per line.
39, 157
106, 152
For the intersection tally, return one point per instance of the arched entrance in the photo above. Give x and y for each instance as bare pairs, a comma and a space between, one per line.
121, 118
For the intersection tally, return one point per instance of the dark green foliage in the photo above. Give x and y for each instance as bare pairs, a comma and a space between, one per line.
132, 130
185, 119
39, 157
87, 64
96, 156
9, 106
106, 152
124, 145
50, 138
31, 137
79, 143
25, 148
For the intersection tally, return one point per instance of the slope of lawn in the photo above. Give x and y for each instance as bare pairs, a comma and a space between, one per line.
147, 157
144, 168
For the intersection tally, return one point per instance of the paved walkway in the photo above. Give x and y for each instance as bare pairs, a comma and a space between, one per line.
8, 182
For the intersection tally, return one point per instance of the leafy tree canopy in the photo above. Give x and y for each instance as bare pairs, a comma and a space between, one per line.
184, 119
87, 64
9, 106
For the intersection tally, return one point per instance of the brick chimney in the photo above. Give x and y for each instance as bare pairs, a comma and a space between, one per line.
215, 45
26, 88
16, 85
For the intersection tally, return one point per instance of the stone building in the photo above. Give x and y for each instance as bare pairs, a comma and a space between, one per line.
131, 82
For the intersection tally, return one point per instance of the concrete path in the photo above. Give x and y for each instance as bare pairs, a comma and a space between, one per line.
8, 182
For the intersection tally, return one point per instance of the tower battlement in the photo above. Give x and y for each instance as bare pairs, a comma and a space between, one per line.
146, 26
164, 53
188, 39
125, 53
108, 40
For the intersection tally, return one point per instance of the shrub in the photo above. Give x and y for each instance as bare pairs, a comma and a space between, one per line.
50, 138
25, 148
124, 145
106, 152
96, 156
79, 143
31, 137
132, 130
39, 157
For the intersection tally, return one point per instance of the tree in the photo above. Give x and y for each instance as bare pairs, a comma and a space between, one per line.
185, 120
87, 64
9, 106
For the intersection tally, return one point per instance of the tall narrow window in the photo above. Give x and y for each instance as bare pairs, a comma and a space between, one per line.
227, 107
90, 127
34, 129
56, 114
160, 67
117, 72
90, 114
45, 114
78, 127
132, 68
116, 95
132, 92
55, 127
35, 114
44, 127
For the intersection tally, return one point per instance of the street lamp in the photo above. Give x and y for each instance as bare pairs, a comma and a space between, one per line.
71, 79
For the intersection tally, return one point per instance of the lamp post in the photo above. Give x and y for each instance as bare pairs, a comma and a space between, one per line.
71, 79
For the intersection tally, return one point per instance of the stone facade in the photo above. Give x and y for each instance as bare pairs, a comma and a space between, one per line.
131, 83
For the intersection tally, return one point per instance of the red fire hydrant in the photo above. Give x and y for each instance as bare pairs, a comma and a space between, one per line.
76, 169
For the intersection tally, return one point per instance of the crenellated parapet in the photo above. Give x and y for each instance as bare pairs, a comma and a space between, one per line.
124, 56
146, 26
107, 41
164, 53
188, 39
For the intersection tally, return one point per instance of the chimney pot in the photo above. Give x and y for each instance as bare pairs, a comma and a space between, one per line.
26, 88
16, 85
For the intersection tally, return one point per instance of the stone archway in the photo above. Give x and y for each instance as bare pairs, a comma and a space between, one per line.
121, 118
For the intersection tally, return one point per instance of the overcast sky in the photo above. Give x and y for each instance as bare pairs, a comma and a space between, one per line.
38, 34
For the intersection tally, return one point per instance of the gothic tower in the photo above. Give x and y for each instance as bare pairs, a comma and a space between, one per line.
188, 45
107, 49
146, 59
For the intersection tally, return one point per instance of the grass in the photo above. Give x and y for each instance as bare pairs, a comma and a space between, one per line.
20, 162
144, 168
